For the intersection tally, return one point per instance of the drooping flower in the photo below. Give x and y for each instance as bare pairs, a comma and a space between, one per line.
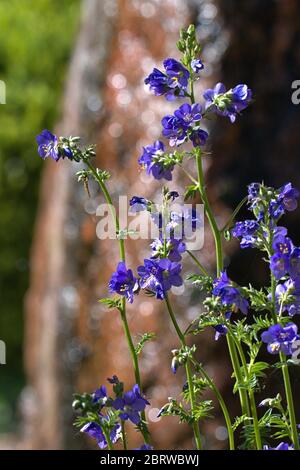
172, 83
198, 137
220, 330
48, 145
227, 103
197, 65
152, 160
123, 282
95, 431
144, 447
100, 395
131, 404
288, 297
280, 338
288, 197
281, 446
229, 294
246, 231
159, 276
113, 380
138, 204
253, 191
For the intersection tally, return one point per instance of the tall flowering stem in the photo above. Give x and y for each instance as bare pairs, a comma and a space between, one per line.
134, 357
219, 259
285, 370
188, 373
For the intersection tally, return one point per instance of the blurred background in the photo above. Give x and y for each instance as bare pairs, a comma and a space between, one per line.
77, 67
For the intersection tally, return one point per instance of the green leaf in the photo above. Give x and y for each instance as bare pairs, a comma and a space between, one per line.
144, 339
238, 421
112, 303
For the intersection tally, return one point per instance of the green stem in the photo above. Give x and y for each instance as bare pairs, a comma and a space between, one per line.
285, 371
255, 420
108, 439
219, 262
222, 405
202, 269
290, 401
250, 394
234, 214
238, 376
124, 435
188, 374
134, 357
209, 214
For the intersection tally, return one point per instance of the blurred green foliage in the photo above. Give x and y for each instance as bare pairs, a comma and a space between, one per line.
36, 38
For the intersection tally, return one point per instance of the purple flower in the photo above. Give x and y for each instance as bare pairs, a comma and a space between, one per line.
123, 282
288, 197
189, 113
172, 83
94, 430
289, 288
280, 260
170, 248
229, 295
152, 161
174, 129
144, 447
48, 145
221, 330
280, 338
228, 103
158, 82
246, 230
197, 65
253, 190
138, 204
113, 380
294, 266
198, 137
131, 404
159, 276
100, 395
172, 195
281, 446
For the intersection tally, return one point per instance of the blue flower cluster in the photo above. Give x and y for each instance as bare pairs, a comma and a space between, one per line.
281, 338
227, 103
178, 127
184, 124
172, 83
123, 282
229, 294
49, 146
95, 431
129, 406
268, 205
